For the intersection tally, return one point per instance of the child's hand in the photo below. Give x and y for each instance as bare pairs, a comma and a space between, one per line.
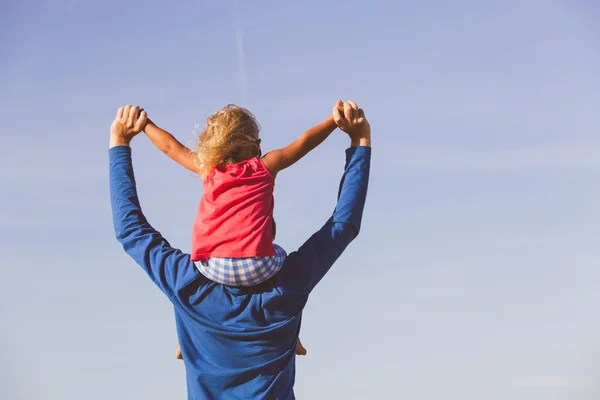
148, 122
339, 105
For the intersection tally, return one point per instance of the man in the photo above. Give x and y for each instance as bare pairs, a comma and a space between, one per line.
238, 342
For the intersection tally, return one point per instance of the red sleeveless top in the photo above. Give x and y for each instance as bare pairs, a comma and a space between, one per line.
235, 215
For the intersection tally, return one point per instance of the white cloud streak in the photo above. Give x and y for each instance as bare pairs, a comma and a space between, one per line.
551, 382
568, 156
241, 55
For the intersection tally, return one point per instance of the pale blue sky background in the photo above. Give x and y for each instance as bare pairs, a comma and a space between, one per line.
476, 274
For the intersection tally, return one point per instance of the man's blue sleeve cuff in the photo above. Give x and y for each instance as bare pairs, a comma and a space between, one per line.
358, 150
119, 151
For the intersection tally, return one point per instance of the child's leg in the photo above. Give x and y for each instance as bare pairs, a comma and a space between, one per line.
300, 350
178, 354
248, 271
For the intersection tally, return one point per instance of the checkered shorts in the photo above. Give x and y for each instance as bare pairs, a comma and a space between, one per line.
242, 271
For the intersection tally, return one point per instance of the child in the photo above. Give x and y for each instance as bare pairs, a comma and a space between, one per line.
232, 239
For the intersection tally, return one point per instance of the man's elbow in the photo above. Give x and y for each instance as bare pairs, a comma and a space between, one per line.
133, 240
124, 231
122, 234
345, 230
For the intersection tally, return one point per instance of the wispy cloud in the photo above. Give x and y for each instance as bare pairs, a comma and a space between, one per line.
568, 156
241, 54
551, 382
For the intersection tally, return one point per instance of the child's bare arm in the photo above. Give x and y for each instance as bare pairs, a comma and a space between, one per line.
280, 159
171, 146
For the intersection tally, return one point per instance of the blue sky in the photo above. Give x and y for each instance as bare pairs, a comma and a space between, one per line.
476, 273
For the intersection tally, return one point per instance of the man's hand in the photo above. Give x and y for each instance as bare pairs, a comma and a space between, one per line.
351, 120
130, 121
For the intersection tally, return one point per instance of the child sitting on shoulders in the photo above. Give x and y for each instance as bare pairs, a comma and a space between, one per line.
232, 238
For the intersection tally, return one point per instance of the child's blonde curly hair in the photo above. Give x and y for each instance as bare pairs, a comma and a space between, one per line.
229, 137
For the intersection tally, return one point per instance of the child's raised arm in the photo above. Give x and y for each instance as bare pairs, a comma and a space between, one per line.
171, 146
280, 159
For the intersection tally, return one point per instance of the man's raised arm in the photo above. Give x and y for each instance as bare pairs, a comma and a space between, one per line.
304, 268
168, 268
